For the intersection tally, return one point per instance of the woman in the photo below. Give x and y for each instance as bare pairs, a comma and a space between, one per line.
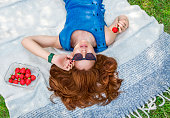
85, 33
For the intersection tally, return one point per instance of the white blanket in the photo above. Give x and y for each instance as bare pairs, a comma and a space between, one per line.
47, 17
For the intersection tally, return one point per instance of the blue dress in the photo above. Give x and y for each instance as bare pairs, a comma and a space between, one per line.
87, 15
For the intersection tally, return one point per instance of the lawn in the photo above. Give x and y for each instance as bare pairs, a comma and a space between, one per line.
160, 9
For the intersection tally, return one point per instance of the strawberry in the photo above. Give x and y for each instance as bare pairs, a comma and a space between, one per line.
17, 75
24, 78
22, 82
17, 70
19, 79
28, 71
22, 70
27, 75
15, 82
21, 76
12, 76
115, 29
28, 81
10, 80
33, 77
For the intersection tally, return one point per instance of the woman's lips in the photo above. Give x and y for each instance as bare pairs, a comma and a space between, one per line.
83, 46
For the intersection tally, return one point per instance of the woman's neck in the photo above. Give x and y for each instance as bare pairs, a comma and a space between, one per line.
75, 42
82, 35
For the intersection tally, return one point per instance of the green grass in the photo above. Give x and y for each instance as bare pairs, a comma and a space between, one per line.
160, 112
161, 11
4, 113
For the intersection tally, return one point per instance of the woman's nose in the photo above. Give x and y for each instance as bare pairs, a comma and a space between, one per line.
83, 52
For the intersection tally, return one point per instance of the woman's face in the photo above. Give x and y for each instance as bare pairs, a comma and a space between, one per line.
84, 47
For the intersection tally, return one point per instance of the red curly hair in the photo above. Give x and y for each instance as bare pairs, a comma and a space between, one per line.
80, 88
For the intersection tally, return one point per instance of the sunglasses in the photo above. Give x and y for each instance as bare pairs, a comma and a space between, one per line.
79, 56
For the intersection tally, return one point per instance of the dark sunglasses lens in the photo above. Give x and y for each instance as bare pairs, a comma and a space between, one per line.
78, 56
90, 56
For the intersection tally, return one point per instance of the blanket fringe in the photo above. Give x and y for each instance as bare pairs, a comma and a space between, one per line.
129, 116
163, 100
151, 106
144, 112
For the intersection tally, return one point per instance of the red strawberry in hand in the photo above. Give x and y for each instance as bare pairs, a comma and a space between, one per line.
12, 76
17, 70
27, 75
10, 80
28, 71
33, 77
22, 82
28, 81
115, 29
15, 82
22, 70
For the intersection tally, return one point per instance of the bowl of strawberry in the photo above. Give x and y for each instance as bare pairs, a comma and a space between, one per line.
22, 75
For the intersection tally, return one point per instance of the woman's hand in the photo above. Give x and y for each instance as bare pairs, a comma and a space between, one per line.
63, 61
122, 23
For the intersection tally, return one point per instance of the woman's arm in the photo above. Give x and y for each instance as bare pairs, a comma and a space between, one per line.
109, 36
35, 44
122, 23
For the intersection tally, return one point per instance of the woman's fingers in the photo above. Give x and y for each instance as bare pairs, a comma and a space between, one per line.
71, 64
67, 69
69, 56
68, 65
123, 24
65, 62
120, 27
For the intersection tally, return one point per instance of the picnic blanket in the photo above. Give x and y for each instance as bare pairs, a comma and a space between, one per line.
142, 53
